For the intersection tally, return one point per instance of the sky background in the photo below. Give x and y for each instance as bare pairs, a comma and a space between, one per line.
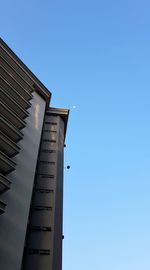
95, 56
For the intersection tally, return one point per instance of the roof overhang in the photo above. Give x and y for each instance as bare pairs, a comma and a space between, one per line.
63, 113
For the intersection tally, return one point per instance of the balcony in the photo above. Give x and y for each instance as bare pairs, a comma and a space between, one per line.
4, 183
6, 164
15, 65
11, 116
2, 207
13, 104
7, 146
14, 83
16, 75
9, 129
12, 92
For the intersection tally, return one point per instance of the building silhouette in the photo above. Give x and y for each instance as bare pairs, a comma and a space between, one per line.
32, 138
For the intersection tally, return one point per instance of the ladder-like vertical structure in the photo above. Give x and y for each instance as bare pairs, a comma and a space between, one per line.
45, 227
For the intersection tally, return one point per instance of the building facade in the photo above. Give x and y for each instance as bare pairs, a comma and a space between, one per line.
32, 138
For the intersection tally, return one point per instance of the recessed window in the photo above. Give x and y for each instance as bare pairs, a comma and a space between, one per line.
42, 190
50, 141
47, 176
51, 123
41, 228
42, 208
47, 162
48, 151
33, 251
49, 130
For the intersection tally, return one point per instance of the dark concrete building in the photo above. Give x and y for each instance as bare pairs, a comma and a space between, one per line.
32, 138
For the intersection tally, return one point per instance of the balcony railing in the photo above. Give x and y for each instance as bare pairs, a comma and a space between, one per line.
15, 74
16, 66
10, 101
15, 84
6, 164
4, 183
9, 114
10, 130
2, 207
6, 86
7, 146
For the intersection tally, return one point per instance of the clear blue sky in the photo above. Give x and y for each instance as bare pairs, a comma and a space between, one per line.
95, 55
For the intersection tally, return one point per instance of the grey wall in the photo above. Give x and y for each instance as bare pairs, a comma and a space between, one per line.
13, 223
44, 247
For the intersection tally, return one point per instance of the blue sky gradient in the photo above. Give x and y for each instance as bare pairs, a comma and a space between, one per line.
95, 55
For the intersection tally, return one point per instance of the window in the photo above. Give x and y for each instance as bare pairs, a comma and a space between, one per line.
47, 162
48, 140
42, 190
42, 208
33, 251
47, 176
48, 151
49, 130
51, 123
41, 228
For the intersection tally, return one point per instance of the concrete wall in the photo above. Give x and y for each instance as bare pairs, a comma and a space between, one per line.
44, 237
13, 223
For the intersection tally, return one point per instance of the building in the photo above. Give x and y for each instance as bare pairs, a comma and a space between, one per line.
32, 138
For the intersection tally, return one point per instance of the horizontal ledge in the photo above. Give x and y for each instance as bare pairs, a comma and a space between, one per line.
17, 73
8, 146
10, 130
4, 183
6, 164
2, 207
23, 113
17, 63
11, 115
14, 92
26, 94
